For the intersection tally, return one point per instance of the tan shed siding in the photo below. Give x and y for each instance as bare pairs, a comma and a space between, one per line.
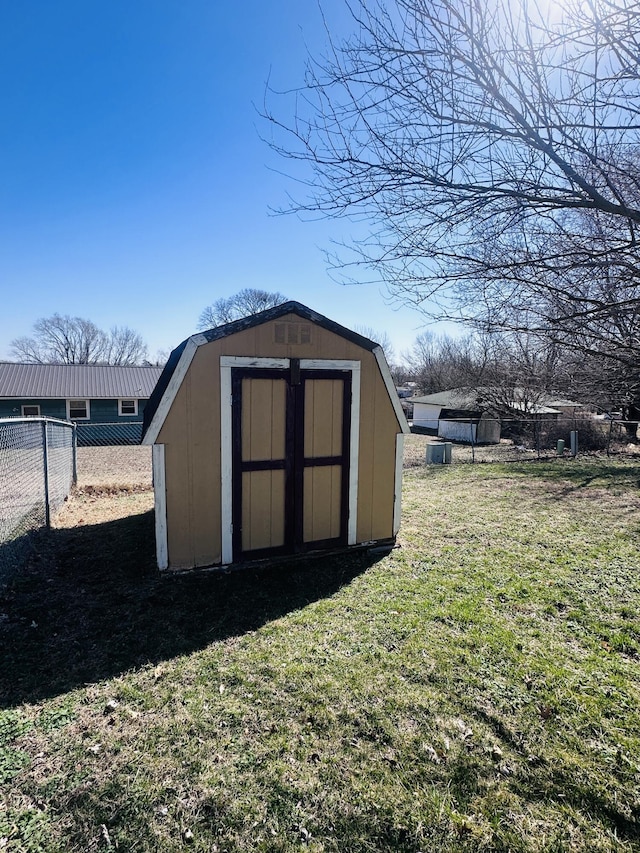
179, 536
205, 461
263, 437
323, 417
263, 509
322, 503
191, 435
260, 343
376, 476
384, 468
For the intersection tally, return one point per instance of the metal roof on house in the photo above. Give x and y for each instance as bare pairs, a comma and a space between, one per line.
76, 381
456, 398
563, 402
533, 408
478, 398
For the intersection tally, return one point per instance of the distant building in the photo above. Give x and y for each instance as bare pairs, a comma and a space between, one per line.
463, 414
106, 399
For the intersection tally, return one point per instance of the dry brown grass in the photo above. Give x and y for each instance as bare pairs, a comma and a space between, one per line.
91, 505
114, 466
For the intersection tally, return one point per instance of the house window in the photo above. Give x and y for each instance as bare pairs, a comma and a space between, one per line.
31, 411
78, 410
127, 407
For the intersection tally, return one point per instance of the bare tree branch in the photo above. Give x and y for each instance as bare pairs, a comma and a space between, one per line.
493, 149
75, 340
242, 304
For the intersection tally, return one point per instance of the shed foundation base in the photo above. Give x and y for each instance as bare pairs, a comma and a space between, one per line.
376, 548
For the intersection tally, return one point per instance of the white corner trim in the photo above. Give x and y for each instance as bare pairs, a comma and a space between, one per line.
354, 452
397, 496
172, 388
160, 502
226, 457
391, 389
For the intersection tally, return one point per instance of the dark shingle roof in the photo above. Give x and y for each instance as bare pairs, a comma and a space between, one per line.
239, 326
82, 381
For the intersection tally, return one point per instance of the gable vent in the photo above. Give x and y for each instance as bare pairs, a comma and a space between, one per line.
292, 333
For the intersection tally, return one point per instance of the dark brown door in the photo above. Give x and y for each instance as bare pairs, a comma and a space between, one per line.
291, 434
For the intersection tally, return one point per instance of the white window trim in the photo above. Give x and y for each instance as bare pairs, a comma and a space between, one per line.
78, 399
30, 406
226, 446
133, 414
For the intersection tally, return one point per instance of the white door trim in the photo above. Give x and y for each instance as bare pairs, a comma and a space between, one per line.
226, 444
227, 362
248, 361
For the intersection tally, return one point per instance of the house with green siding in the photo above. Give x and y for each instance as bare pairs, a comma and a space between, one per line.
106, 402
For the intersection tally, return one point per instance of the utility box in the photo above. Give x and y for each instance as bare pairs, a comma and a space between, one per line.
574, 442
439, 454
273, 436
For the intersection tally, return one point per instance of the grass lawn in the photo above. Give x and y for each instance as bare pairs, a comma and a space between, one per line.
477, 689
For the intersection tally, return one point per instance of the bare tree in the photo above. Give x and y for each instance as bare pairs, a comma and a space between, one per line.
124, 347
74, 340
440, 363
242, 304
159, 360
381, 338
494, 147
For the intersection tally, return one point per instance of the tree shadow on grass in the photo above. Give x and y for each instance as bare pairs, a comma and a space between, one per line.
89, 605
581, 475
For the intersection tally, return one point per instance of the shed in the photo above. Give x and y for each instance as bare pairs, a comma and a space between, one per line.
275, 435
456, 415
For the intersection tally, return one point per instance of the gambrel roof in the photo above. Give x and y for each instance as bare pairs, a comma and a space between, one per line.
181, 356
76, 381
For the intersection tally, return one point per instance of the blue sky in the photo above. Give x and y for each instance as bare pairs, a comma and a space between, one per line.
134, 186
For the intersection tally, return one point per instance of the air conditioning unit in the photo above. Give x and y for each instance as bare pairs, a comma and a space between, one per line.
439, 454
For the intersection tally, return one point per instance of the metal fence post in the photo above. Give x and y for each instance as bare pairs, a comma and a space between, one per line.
45, 466
74, 454
574, 442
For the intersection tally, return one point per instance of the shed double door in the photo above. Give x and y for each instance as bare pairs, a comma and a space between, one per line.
291, 440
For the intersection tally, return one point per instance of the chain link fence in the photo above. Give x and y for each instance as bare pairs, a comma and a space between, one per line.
108, 434
37, 471
519, 439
